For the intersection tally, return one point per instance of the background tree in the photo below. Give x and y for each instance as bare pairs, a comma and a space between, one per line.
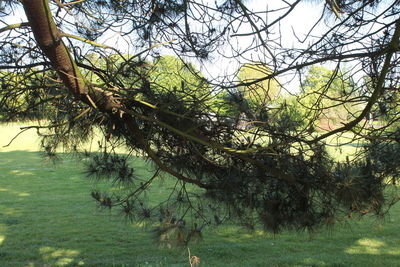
263, 92
27, 104
327, 98
170, 74
272, 174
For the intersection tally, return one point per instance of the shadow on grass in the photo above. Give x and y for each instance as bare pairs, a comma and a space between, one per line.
30, 193
47, 218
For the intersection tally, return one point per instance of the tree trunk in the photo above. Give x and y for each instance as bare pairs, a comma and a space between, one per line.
48, 38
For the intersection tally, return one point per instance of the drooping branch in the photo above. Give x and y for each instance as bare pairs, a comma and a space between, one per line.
48, 38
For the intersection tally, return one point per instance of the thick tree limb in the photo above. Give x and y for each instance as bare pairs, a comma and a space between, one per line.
48, 38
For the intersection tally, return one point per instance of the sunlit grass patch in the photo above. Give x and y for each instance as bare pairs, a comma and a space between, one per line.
372, 246
61, 257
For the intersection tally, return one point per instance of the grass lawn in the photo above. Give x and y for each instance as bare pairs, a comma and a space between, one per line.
47, 218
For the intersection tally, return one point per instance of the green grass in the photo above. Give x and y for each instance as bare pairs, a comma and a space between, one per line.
47, 218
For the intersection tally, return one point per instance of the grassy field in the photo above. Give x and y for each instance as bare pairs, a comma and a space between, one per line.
47, 218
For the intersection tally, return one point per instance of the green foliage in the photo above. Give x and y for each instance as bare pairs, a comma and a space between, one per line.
326, 96
107, 166
359, 190
12, 106
262, 92
250, 97
290, 114
167, 79
230, 104
172, 75
29, 95
382, 156
387, 107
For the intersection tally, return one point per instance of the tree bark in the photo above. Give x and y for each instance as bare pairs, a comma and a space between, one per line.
48, 38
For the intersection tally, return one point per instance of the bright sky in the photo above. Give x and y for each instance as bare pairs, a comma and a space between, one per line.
300, 21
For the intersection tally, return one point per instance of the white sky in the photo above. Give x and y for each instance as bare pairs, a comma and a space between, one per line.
300, 21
